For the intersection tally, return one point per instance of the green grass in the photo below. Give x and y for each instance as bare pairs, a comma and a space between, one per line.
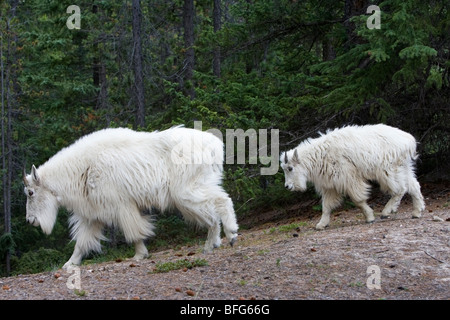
287, 227
80, 293
179, 264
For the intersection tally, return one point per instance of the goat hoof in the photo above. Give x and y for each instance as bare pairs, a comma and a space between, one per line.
232, 241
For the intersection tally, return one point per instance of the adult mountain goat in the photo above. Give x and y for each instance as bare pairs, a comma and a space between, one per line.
342, 161
110, 176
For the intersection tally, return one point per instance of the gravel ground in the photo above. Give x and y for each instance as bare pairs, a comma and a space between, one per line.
285, 260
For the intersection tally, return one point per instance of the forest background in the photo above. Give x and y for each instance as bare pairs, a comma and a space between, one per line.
298, 66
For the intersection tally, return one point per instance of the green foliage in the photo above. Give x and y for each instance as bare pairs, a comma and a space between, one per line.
43, 259
172, 230
288, 227
7, 244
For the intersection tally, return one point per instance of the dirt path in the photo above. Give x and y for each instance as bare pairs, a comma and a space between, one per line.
288, 260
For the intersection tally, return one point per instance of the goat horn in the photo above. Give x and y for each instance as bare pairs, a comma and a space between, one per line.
285, 157
296, 155
24, 177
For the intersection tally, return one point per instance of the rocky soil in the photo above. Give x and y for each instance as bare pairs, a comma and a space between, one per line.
284, 259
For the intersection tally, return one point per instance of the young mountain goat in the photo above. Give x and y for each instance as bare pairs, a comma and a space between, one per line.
342, 161
110, 176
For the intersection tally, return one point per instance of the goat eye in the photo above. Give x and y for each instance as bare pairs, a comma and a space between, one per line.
30, 193
290, 168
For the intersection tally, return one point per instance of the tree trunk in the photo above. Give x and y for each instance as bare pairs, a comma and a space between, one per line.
102, 101
8, 172
137, 64
353, 8
4, 151
328, 52
8, 76
188, 25
217, 26
99, 74
96, 60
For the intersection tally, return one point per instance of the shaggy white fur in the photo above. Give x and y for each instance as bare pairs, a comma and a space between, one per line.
110, 176
342, 161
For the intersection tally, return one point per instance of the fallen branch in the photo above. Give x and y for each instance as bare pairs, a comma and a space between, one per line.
433, 257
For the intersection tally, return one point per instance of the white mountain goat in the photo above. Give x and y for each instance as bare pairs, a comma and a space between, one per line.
110, 176
342, 161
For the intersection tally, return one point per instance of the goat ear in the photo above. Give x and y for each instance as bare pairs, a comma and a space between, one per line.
35, 175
